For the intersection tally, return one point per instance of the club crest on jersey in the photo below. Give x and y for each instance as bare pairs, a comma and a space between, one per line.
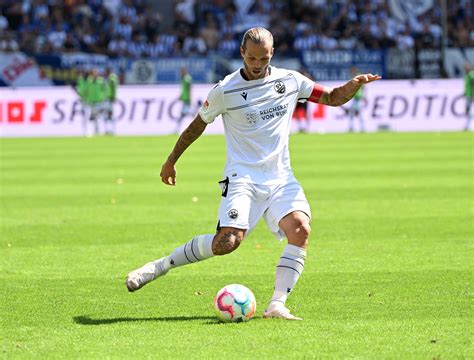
233, 213
252, 117
279, 87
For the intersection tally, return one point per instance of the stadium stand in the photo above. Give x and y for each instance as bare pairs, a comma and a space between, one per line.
136, 28
148, 41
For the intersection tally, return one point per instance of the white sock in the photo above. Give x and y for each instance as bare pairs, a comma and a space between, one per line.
288, 271
197, 249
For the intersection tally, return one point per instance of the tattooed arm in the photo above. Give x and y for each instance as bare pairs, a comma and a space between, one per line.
192, 132
340, 95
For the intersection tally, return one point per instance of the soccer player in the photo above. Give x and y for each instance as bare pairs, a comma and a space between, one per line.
111, 84
256, 103
185, 97
468, 93
96, 92
81, 90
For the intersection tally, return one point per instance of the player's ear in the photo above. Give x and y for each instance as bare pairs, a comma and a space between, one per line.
242, 51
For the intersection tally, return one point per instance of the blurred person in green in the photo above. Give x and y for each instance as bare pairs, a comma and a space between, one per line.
184, 97
468, 93
96, 92
81, 90
356, 106
111, 84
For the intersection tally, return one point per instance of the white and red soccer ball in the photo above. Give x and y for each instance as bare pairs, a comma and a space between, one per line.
235, 303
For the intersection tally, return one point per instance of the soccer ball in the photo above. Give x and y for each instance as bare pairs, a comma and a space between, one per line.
235, 302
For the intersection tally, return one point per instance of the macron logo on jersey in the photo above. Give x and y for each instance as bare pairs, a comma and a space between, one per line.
244, 95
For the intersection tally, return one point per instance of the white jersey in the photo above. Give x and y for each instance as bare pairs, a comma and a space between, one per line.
257, 117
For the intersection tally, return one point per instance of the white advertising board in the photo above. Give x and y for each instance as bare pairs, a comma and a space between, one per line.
396, 105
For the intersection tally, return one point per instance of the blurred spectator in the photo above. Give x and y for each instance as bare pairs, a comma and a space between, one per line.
71, 44
57, 37
348, 40
158, 48
405, 41
328, 41
194, 45
138, 46
210, 34
151, 22
307, 40
3, 22
228, 46
7, 42
117, 46
124, 28
228, 23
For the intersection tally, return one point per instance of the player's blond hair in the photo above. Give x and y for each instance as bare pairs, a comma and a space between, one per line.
257, 35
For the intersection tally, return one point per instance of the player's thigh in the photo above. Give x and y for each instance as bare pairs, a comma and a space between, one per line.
287, 199
239, 208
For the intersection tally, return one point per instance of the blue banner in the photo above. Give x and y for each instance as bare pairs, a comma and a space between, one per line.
327, 65
168, 70
63, 69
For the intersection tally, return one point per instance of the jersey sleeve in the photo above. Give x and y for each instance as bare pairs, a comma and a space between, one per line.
213, 106
308, 89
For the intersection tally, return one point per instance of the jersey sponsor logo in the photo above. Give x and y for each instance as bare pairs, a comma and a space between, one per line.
279, 87
275, 111
233, 213
244, 95
252, 117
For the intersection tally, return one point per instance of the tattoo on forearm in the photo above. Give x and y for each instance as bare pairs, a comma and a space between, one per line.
192, 132
340, 95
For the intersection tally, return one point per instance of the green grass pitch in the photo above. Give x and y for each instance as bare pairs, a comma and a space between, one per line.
388, 273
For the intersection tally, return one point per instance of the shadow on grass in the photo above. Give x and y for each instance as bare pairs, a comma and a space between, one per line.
86, 320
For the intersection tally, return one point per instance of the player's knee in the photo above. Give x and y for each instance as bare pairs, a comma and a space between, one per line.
301, 232
226, 241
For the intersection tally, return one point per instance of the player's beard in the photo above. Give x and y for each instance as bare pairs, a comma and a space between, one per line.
254, 75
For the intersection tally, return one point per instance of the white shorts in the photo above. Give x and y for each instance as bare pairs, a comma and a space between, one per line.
108, 105
96, 109
243, 204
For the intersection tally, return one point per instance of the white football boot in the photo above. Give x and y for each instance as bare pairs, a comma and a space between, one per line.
147, 273
277, 309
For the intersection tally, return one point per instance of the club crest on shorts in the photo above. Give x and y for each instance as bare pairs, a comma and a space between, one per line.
279, 87
233, 213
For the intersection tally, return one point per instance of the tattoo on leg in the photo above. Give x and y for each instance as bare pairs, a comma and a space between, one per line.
226, 243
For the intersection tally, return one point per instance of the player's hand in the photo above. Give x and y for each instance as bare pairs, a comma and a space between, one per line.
168, 173
365, 78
